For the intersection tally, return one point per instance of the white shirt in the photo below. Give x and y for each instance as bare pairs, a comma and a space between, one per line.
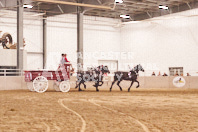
62, 61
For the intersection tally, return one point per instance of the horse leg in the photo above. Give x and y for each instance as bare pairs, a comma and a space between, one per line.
76, 84
138, 84
115, 79
97, 84
97, 89
79, 89
118, 83
84, 85
112, 85
101, 84
130, 86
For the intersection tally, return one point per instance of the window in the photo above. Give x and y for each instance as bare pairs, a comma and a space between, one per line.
175, 70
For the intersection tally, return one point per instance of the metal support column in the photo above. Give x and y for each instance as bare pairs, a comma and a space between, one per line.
20, 34
44, 42
80, 38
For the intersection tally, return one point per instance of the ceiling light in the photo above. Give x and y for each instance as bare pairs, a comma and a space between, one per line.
163, 7
125, 16
118, 1
27, 6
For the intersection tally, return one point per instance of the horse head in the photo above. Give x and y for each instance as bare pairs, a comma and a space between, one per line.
106, 69
103, 69
138, 68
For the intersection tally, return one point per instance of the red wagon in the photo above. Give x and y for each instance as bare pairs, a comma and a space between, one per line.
37, 80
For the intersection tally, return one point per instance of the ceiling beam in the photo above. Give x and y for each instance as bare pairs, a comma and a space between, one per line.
60, 9
1, 4
175, 9
74, 4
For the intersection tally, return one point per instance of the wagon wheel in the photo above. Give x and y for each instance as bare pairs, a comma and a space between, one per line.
64, 86
56, 86
6, 40
40, 84
30, 86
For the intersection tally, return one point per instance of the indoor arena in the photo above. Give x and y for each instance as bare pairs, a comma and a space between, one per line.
98, 66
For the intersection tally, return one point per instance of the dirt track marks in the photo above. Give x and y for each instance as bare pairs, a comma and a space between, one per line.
60, 101
92, 101
58, 129
48, 128
144, 127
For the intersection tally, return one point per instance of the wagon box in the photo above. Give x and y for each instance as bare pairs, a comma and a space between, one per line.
37, 80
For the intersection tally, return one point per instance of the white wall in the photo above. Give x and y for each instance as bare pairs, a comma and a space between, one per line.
99, 35
100, 40
18, 82
32, 34
61, 38
159, 43
163, 42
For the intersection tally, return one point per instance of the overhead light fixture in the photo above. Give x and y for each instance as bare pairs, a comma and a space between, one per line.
125, 16
118, 1
28, 6
163, 7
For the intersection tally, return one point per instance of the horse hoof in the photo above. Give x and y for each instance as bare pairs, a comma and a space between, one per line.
137, 87
80, 90
85, 87
128, 90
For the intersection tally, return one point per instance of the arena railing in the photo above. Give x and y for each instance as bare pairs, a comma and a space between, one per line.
148, 73
11, 72
18, 72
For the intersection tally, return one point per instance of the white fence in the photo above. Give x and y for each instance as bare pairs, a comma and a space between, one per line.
11, 72
17, 82
157, 72
13, 79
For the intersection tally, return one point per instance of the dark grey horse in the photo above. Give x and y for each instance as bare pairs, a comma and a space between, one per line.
129, 76
93, 74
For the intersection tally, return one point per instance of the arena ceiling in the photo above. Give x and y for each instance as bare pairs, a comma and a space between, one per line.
137, 9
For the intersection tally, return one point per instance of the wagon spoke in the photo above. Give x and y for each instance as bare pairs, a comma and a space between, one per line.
64, 86
40, 84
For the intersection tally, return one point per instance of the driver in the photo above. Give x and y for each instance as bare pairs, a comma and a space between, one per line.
62, 61
65, 55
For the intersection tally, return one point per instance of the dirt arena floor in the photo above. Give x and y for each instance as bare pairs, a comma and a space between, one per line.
141, 110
